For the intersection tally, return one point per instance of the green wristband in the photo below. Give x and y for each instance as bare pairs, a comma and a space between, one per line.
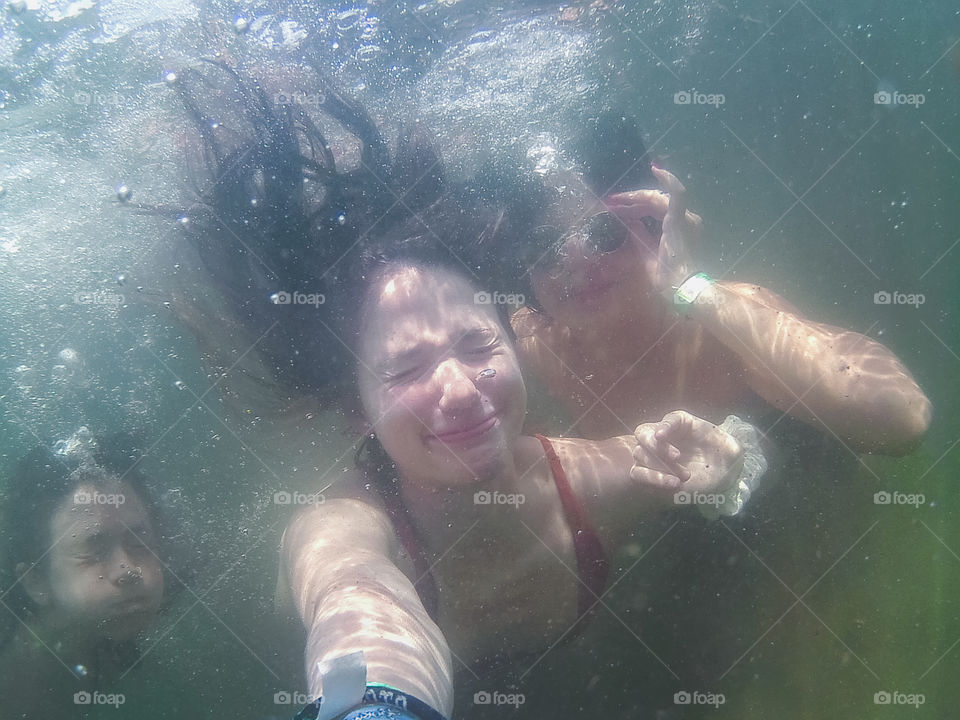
690, 289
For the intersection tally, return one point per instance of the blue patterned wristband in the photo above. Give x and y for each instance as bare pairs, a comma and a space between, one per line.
380, 701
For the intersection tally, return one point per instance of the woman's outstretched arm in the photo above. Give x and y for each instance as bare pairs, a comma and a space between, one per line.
351, 596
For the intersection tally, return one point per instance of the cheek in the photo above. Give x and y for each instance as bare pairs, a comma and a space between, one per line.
511, 391
77, 588
153, 582
547, 291
397, 413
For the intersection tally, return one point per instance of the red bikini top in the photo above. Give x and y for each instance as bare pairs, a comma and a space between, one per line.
592, 565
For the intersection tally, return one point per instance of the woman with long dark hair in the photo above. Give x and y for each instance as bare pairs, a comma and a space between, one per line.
457, 532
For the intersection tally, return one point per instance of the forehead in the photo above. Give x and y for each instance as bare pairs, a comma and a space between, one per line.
90, 509
415, 305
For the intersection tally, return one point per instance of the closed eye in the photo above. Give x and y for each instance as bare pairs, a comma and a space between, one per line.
483, 350
403, 376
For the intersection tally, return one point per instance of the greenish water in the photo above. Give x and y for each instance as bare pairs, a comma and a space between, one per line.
807, 607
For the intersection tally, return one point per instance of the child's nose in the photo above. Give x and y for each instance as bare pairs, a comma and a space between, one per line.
125, 571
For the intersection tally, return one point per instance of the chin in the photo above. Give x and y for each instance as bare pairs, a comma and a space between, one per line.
472, 466
124, 628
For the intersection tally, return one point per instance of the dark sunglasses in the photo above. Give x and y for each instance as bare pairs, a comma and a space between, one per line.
602, 233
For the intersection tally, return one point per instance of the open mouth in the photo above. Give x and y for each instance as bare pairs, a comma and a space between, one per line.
466, 435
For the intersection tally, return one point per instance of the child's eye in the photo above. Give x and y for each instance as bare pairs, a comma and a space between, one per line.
136, 543
92, 558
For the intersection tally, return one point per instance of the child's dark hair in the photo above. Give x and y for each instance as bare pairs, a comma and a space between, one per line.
40, 482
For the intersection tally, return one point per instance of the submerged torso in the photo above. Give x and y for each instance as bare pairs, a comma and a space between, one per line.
608, 389
510, 583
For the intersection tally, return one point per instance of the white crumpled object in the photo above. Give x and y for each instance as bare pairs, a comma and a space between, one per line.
741, 487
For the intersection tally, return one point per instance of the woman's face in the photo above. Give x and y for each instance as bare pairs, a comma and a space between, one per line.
426, 339
102, 576
596, 257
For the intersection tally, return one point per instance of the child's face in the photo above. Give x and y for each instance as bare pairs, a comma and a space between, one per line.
102, 576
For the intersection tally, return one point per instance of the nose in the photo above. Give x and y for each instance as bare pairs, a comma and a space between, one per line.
458, 390
124, 570
575, 259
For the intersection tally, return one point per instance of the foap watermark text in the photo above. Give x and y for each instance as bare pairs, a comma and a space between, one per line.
498, 298
84, 98
299, 98
697, 697
685, 497
297, 498
298, 298
895, 697
692, 97
899, 498
82, 497
483, 697
98, 698
882, 297
101, 297
486, 497
885, 97
286, 697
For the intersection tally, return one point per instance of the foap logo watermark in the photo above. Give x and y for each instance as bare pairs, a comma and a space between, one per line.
101, 297
882, 297
98, 698
496, 697
887, 97
299, 98
895, 697
298, 298
82, 497
486, 497
297, 498
498, 298
692, 97
85, 99
685, 497
697, 697
899, 498
286, 697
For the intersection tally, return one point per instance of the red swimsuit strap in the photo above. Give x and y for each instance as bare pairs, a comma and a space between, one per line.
592, 564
